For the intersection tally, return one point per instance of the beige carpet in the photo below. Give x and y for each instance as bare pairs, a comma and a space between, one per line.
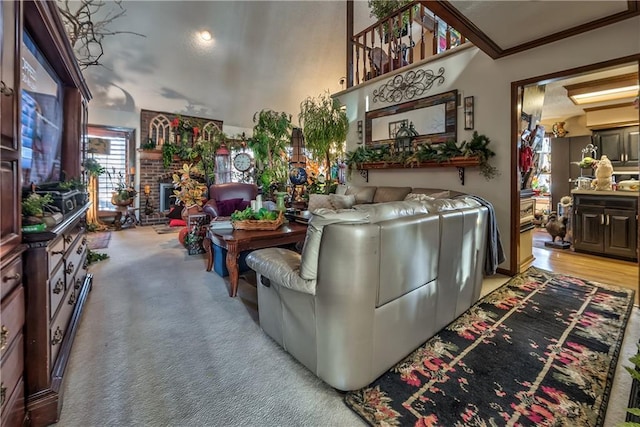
162, 344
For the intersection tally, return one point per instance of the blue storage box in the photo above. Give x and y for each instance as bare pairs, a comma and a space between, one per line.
220, 261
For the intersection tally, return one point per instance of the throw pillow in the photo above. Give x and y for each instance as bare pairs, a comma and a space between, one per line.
419, 197
177, 223
342, 202
319, 201
175, 213
441, 195
243, 204
227, 207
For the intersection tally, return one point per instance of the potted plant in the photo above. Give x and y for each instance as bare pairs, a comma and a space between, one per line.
33, 211
188, 191
324, 126
271, 136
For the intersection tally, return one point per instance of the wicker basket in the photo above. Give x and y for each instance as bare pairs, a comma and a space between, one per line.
263, 224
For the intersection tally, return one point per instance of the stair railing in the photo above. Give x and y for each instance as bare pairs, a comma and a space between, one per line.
408, 35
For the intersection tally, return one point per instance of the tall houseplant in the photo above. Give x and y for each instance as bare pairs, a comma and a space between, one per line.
324, 125
271, 136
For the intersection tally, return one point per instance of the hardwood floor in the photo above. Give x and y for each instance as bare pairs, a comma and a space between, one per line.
600, 269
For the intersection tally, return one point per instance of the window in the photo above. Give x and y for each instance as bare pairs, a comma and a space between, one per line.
109, 148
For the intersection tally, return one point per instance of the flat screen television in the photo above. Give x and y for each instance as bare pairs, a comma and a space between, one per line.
41, 117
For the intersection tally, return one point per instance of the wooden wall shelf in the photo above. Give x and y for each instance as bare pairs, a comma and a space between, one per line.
458, 162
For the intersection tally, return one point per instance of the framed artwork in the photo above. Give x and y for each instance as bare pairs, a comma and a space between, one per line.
394, 127
468, 112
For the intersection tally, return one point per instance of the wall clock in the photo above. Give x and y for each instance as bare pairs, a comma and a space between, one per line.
242, 162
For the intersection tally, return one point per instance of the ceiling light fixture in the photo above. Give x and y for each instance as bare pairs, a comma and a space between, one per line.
206, 35
609, 89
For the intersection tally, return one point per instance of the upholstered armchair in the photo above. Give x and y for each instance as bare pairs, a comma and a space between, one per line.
226, 198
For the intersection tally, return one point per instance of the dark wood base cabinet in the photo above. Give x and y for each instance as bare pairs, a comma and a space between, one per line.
57, 285
606, 225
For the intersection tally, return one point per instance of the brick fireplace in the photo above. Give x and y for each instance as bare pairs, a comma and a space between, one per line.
154, 125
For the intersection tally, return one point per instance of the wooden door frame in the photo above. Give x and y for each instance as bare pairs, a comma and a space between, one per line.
514, 244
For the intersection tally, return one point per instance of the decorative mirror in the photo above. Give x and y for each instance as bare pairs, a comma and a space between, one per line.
434, 119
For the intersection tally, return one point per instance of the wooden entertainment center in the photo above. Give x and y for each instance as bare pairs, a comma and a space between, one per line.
44, 284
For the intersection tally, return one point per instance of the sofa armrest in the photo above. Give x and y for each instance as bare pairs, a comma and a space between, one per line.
211, 209
281, 266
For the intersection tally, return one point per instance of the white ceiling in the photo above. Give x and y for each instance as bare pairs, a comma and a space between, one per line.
511, 23
273, 54
265, 55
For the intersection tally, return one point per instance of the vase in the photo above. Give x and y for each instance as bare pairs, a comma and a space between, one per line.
190, 210
280, 200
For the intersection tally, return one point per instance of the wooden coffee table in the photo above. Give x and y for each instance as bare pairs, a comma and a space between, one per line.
236, 241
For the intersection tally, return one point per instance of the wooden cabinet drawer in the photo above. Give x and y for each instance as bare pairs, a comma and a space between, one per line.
13, 413
73, 258
59, 324
70, 236
11, 370
12, 319
11, 276
57, 289
56, 252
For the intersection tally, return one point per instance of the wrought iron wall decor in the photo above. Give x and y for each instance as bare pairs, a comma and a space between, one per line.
408, 85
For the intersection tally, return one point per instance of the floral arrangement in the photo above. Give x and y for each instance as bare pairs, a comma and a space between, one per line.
181, 125
123, 193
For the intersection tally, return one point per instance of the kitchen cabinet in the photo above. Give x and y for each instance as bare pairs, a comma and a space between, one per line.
620, 145
566, 153
606, 224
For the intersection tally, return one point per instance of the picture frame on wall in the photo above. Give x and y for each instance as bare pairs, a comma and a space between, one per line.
468, 113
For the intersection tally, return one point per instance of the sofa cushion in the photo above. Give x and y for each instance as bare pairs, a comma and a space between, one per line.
339, 201
311, 248
363, 194
281, 266
390, 210
390, 194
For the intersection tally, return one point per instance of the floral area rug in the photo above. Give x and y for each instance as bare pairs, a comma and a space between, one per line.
98, 240
540, 350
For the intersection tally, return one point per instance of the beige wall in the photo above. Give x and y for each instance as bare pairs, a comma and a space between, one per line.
472, 72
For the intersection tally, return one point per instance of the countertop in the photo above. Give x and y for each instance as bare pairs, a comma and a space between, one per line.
606, 193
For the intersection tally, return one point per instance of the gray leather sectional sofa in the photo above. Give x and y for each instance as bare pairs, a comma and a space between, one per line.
372, 283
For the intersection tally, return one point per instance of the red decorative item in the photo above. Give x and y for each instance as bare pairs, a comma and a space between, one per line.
182, 234
526, 158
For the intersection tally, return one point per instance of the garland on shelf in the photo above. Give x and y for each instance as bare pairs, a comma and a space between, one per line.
477, 147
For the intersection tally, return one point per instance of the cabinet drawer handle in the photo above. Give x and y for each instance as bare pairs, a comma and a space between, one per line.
84, 240
78, 283
3, 391
79, 250
59, 286
69, 269
72, 298
601, 219
57, 336
4, 337
16, 277
68, 239
608, 219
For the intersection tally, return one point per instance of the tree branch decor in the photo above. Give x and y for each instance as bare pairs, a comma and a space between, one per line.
85, 32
